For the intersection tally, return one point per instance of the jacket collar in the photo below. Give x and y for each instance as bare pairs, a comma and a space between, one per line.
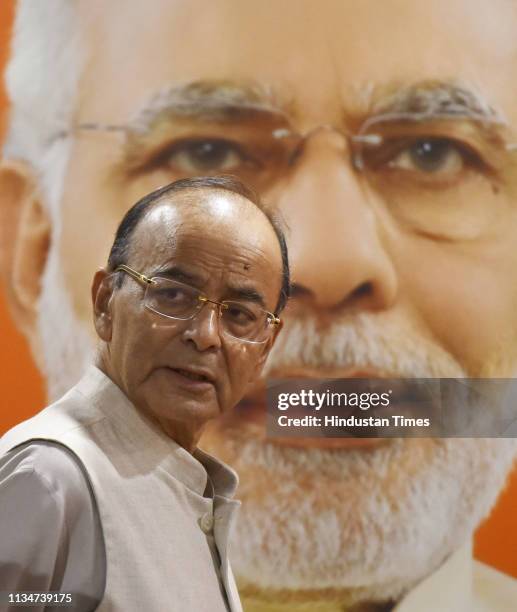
142, 438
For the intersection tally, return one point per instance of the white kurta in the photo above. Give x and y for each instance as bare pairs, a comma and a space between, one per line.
157, 525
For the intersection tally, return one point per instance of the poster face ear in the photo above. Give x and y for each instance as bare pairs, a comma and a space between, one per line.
25, 232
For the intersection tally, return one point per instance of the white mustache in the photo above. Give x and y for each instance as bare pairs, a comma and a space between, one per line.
376, 341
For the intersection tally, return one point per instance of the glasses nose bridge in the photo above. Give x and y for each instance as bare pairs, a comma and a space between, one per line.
324, 127
204, 301
305, 137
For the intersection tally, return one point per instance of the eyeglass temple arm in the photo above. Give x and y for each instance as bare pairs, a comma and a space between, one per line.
134, 274
369, 139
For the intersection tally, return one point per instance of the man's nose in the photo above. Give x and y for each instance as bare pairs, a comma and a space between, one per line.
203, 330
335, 247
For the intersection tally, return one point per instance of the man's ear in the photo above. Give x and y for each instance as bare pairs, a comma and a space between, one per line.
25, 232
102, 292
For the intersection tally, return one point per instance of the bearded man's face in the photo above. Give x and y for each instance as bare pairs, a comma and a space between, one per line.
403, 254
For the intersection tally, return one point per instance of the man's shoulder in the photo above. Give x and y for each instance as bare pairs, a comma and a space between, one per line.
47, 467
494, 591
49, 525
72, 411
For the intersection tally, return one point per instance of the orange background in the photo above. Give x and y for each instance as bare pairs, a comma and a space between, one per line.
23, 390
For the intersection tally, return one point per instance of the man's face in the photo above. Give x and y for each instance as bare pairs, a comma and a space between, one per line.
417, 281
184, 372
449, 278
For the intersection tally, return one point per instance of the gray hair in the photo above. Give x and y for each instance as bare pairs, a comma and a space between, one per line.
42, 75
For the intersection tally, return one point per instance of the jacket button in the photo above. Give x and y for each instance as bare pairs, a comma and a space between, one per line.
206, 522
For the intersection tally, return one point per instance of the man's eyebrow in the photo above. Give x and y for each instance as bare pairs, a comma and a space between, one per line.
248, 294
427, 99
178, 273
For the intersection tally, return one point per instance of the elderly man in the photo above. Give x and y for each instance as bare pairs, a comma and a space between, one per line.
383, 131
105, 496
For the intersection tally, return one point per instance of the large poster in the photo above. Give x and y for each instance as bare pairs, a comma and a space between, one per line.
385, 135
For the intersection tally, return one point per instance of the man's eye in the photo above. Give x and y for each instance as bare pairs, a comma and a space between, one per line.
172, 295
204, 156
430, 156
239, 314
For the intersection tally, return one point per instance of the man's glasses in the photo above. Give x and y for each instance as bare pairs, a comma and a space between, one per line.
447, 175
244, 321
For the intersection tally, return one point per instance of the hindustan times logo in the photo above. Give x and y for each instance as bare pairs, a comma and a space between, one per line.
317, 400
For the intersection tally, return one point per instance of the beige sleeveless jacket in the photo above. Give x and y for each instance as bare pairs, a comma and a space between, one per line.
149, 491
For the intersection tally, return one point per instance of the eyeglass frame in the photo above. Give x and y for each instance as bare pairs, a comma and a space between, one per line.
272, 319
356, 139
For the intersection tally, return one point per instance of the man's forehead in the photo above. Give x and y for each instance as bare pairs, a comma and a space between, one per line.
439, 40
190, 207
198, 224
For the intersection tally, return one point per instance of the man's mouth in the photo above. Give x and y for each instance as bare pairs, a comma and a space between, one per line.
191, 375
252, 410
193, 378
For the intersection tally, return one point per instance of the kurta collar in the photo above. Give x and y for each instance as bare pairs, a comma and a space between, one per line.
141, 437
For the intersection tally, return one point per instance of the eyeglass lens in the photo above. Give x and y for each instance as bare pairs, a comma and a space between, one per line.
241, 320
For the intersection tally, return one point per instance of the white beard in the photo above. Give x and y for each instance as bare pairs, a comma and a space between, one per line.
67, 346
357, 525
365, 524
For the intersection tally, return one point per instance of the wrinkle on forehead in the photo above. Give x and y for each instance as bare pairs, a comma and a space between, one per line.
351, 22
